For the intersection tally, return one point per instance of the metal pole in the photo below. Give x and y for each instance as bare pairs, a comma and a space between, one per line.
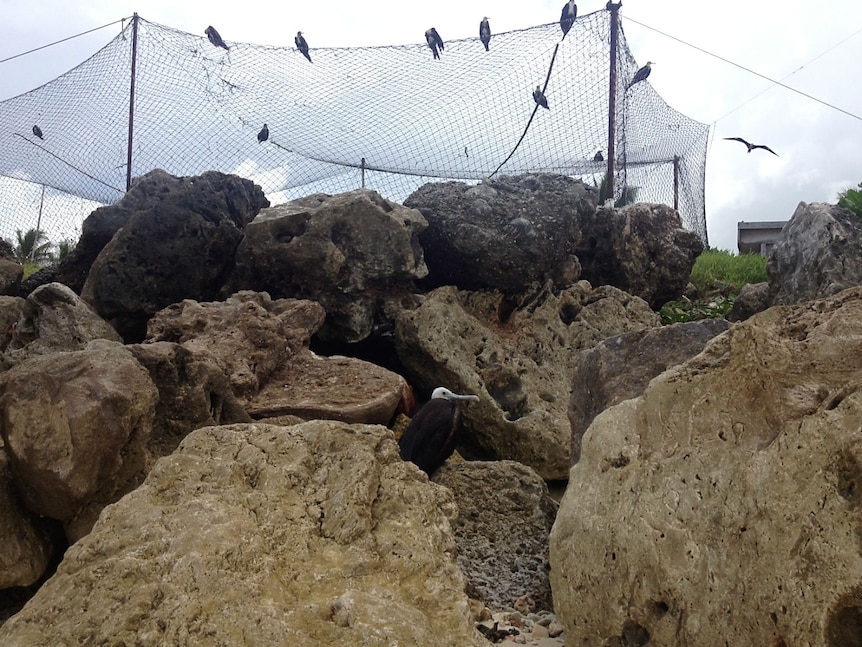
612, 96
676, 182
363, 172
132, 100
38, 224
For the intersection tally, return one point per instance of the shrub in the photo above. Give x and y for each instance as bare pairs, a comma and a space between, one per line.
851, 199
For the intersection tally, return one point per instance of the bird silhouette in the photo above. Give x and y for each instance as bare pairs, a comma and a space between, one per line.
485, 32
263, 135
539, 97
38, 132
302, 45
215, 38
641, 74
434, 42
567, 17
598, 157
751, 147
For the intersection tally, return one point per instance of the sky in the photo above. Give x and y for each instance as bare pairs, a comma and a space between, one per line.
815, 49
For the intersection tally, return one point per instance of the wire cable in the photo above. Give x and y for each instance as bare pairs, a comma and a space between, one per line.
62, 40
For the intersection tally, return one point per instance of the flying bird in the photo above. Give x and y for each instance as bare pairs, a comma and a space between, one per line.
263, 135
485, 32
215, 38
38, 132
641, 74
432, 435
567, 18
434, 42
539, 97
751, 147
598, 157
302, 45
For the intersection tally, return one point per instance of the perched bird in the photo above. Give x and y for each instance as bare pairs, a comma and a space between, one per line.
301, 45
215, 38
751, 147
38, 132
432, 435
434, 42
567, 18
641, 74
263, 135
598, 157
539, 97
485, 32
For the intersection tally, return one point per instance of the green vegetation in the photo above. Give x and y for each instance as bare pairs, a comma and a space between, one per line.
629, 196
851, 199
717, 277
32, 247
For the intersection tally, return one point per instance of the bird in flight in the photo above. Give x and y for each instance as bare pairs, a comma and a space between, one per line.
263, 135
539, 97
302, 45
215, 38
434, 42
567, 17
485, 32
641, 74
38, 132
751, 147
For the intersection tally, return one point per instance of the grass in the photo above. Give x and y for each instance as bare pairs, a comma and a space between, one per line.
717, 276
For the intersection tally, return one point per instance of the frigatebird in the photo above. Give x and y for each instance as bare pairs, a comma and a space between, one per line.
263, 135
539, 97
302, 45
38, 132
567, 18
434, 42
641, 74
751, 147
432, 435
215, 38
485, 32
598, 157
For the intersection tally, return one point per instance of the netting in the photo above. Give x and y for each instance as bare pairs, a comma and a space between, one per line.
392, 117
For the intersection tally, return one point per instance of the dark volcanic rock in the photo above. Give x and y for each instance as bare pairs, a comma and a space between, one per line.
503, 234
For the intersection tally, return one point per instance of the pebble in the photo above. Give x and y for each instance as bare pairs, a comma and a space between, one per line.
534, 629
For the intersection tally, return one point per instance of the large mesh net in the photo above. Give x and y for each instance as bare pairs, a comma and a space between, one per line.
391, 117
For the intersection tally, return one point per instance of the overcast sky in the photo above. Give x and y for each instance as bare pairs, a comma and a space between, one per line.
819, 148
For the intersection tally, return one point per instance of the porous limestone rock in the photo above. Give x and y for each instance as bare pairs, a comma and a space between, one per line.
724, 505
516, 354
249, 535
355, 253
819, 253
752, 298
505, 514
75, 426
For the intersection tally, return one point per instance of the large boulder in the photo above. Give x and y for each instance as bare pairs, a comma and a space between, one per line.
818, 254
641, 248
11, 271
75, 426
516, 354
503, 234
356, 253
725, 501
249, 535
620, 368
176, 247
505, 514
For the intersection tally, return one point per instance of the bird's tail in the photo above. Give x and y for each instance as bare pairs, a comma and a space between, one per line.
486, 47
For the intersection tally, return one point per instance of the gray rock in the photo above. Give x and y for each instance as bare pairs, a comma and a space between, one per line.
752, 298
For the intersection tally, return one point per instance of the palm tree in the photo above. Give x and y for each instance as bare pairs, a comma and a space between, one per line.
33, 247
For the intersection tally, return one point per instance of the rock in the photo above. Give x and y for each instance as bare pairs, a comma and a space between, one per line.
620, 368
11, 273
732, 483
178, 247
503, 234
54, 319
818, 254
516, 354
75, 426
355, 253
317, 534
10, 312
504, 519
752, 298
641, 248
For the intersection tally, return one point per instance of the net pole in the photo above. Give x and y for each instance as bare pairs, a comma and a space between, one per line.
132, 101
612, 95
676, 182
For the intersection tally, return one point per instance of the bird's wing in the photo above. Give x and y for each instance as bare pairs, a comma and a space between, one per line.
737, 139
765, 148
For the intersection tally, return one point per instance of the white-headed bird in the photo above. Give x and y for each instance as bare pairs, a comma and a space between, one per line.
485, 32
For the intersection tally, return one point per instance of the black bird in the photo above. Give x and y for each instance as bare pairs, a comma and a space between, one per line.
432, 435
301, 45
567, 18
485, 32
38, 132
598, 157
751, 147
434, 42
263, 135
641, 74
215, 38
539, 97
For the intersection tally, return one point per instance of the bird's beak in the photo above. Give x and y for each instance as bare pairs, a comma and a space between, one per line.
473, 398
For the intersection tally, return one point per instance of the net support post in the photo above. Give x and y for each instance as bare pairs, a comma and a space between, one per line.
612, 94
132, 101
